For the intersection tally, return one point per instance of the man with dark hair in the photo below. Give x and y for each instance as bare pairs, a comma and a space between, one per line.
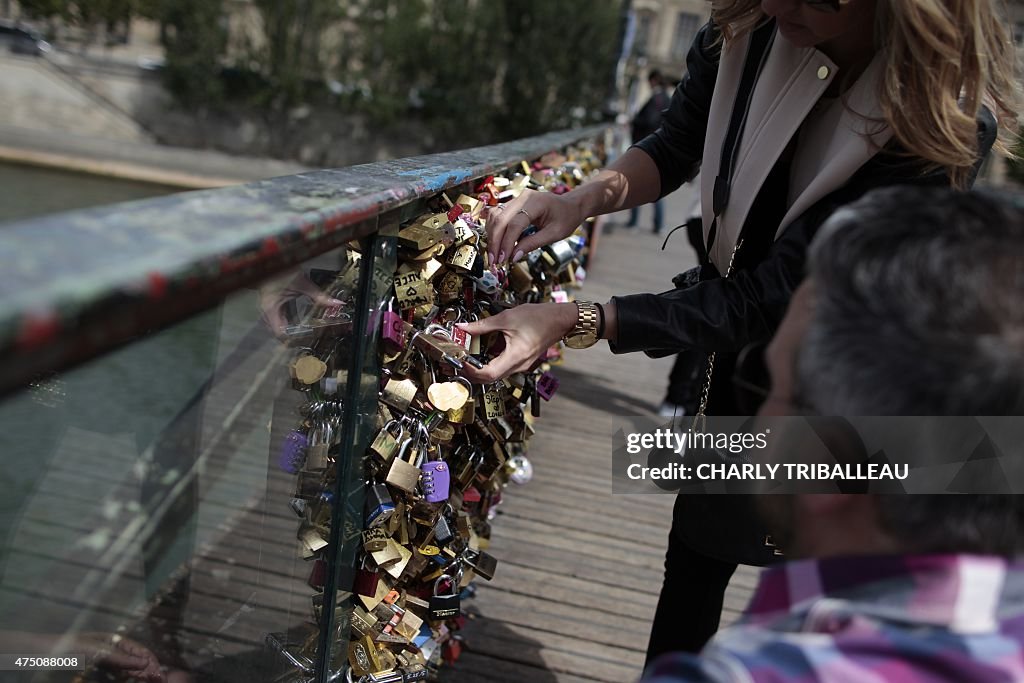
912, 306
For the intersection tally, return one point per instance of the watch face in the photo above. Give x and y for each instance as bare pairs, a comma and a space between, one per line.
581, 340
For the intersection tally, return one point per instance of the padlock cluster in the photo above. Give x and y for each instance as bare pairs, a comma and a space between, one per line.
445, 447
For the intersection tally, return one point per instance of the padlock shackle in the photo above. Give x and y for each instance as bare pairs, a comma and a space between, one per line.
454, 588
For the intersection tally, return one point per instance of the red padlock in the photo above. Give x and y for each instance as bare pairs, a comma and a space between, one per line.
318, 576
461, 337
366, 583
451, 650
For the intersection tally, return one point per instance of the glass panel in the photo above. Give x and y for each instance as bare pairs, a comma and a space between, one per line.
378, 263
148, 499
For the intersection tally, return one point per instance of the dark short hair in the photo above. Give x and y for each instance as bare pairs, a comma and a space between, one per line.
919, 310
918, 306
655, 75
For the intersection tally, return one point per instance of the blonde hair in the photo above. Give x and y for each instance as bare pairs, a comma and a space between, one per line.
960, 55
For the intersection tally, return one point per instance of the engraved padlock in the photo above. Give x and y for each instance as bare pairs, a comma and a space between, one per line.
464, 259
374, 539
449, 289
399, 394
494, 403
393, 331
413, 673
405, 471
364, 657
412, 290
445, 606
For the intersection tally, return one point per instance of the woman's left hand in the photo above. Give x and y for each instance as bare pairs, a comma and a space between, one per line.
529, 331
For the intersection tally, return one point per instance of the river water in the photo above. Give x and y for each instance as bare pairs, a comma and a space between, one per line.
27, 191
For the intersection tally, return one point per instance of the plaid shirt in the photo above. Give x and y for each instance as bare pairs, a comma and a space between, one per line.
911, 619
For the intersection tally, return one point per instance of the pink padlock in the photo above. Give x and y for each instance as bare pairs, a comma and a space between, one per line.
393, 330
547, 385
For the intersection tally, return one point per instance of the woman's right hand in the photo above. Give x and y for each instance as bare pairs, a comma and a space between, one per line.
554, 216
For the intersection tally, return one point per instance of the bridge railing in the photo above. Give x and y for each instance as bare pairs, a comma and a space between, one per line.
144, 397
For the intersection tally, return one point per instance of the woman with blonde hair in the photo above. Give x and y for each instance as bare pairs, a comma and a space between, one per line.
790, 109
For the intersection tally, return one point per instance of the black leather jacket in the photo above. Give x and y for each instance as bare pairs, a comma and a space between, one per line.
724, 315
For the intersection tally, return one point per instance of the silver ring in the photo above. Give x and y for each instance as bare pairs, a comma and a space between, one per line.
523, 211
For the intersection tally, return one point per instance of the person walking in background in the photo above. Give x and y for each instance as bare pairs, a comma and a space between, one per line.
646, 122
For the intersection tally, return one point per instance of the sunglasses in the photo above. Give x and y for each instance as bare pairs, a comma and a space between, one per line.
829, 6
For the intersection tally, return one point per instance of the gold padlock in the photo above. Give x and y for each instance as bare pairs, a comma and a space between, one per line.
363, 657
470, 205
411, 290
520, 278
418, 237
494, 405
386, 442
463, 258
450, 287
464, 234
362, 621
405, 468
374, 540
397, 568
308, 369
399, 394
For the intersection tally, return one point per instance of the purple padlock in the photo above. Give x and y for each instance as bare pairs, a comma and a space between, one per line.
393, 330
293, 451
436, 478
547, 385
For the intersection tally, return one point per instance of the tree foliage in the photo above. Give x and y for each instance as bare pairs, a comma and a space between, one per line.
490, 70
194, 37
472, 71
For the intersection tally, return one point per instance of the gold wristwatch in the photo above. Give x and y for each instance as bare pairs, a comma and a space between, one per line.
584, 333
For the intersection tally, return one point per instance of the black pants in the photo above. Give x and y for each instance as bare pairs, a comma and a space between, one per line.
690, 605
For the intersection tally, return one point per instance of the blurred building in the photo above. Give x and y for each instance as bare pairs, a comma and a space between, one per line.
661, 33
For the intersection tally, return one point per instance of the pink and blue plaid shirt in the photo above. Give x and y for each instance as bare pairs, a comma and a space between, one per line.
905, 619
